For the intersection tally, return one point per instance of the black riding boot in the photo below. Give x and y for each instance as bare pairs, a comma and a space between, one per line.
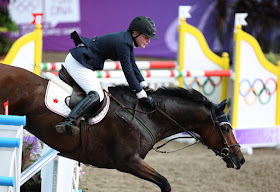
69, 124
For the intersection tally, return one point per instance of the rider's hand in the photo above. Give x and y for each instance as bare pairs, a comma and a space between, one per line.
150, 101
142, 95
149, 90
146, 87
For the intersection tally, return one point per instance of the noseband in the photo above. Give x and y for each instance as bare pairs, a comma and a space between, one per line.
226, 151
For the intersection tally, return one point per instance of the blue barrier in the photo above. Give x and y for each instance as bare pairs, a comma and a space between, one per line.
11, 125
12, 120
9, 142
7, 181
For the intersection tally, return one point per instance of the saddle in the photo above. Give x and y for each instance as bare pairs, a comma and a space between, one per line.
78, 93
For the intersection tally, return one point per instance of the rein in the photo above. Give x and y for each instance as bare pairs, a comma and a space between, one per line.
184, 129
160, 146
124, 107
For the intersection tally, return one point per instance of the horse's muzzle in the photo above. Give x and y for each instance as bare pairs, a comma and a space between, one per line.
232, 163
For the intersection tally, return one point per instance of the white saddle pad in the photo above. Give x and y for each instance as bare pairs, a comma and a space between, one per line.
56, 98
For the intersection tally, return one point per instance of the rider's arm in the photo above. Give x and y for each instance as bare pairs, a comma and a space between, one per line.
124, 53
137, 72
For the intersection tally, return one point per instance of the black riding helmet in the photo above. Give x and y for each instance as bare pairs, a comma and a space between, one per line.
144, 25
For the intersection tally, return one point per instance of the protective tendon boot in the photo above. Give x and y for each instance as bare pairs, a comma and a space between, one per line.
69, 124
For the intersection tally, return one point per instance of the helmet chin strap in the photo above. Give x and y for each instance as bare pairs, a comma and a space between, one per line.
134, 39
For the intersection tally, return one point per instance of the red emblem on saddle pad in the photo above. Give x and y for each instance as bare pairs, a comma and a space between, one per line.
55, 100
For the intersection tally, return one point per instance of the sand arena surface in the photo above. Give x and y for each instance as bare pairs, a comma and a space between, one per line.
194, 169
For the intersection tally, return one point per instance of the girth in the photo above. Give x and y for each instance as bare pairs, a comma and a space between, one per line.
85, 129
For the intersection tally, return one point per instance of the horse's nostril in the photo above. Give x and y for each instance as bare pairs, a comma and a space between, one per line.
242, 161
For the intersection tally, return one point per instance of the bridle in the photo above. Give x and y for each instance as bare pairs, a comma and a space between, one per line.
226, 151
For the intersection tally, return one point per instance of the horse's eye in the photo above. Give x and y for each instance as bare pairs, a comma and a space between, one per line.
225, 128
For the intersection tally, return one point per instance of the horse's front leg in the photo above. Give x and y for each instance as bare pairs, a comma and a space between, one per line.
139, 168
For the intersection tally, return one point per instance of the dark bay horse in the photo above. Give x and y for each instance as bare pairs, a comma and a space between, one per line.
124, 137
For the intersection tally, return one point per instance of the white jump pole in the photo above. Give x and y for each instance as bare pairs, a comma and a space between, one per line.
37, 166
59, 175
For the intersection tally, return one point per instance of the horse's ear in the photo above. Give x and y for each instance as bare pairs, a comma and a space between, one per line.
224, 102
221, 106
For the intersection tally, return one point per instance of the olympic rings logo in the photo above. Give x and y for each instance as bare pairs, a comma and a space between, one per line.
204, 87
258, 90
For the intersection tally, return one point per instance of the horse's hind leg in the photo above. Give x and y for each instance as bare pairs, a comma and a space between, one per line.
139, 168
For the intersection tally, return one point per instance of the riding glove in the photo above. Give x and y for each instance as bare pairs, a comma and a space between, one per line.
148, 90
150, 101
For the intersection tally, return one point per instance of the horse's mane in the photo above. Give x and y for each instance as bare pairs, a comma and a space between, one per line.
171, 92
185, 94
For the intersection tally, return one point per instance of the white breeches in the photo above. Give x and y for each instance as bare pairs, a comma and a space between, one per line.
86, 78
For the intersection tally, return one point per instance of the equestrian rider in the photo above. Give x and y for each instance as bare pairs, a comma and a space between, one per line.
90, 55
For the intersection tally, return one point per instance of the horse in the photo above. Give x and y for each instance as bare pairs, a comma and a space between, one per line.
130, 129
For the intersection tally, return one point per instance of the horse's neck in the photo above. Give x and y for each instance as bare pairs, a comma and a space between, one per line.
181, 117
169, 122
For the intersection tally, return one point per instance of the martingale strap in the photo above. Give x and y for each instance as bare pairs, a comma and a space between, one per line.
142, 124
130, 112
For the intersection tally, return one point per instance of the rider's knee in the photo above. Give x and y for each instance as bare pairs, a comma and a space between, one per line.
96, 94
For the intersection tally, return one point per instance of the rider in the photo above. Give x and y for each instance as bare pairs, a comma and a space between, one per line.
90, 55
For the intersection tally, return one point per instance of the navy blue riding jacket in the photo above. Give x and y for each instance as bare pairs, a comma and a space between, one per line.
114, 46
